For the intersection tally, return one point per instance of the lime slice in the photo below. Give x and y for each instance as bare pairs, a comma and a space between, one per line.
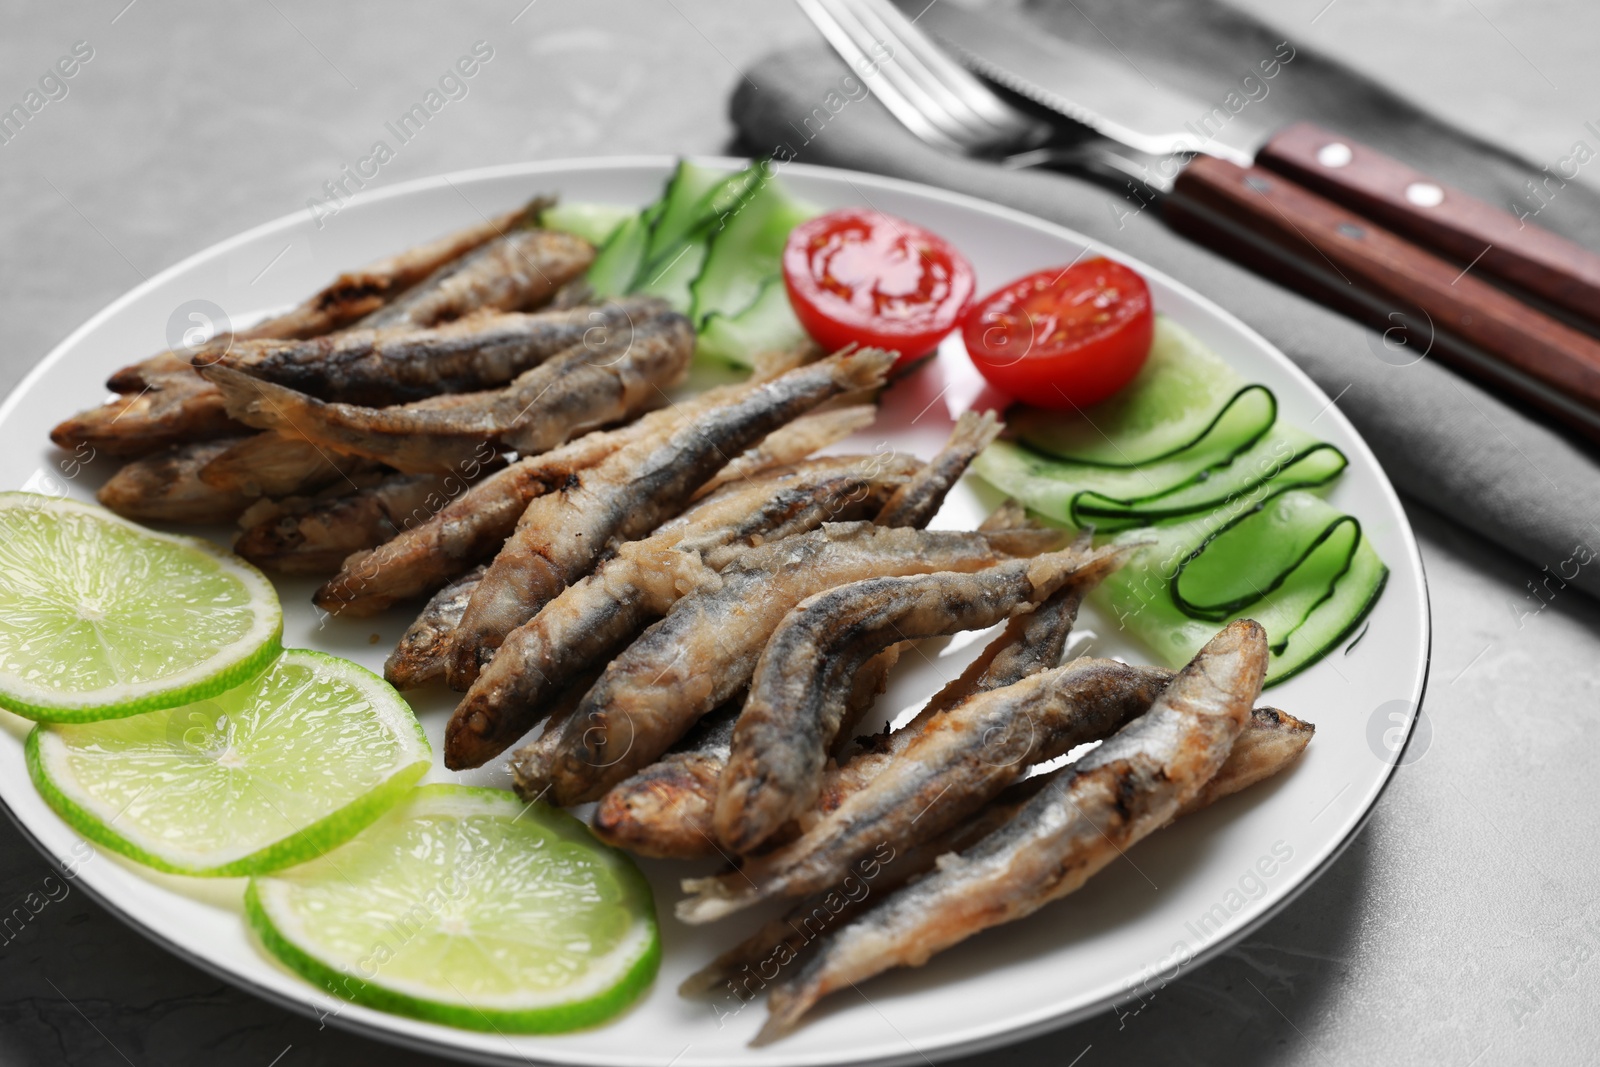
467, 907
272, 772
101, 618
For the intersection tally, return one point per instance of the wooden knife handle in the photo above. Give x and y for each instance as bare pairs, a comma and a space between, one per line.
1439, 218
1250, 210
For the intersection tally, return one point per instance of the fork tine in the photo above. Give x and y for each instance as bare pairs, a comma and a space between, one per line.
895, 71
962, 93
909, 114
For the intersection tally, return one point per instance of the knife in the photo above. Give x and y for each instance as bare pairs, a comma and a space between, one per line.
1103, 94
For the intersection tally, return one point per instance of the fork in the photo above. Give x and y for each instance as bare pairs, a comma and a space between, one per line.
1255, 217
948, 107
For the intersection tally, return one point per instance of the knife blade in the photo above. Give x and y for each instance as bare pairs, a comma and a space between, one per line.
1110, 97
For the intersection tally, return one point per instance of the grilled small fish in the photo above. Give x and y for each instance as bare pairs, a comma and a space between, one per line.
381, 367
470, 529
1129, 786
419, 656
797, 696
918, 502
643, 580
583, 388
560, 536
706, 648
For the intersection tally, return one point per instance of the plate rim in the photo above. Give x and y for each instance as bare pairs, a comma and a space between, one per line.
977, 1040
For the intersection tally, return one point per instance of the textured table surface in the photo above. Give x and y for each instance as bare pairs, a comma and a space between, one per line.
1460, 927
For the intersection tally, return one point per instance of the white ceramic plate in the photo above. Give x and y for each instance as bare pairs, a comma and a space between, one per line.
1177, 898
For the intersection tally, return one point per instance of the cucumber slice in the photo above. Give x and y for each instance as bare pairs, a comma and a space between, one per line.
616, 267
671, 278
273, 772
1317, 577
689, 206
466, 907
1287, 459
767, 325
1167, 408
595, 223
747, 250
101, 618
1244, 448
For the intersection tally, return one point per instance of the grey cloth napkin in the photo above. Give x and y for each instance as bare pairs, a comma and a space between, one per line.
1443, 440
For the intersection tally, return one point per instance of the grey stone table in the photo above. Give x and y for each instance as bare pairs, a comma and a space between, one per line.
1460, 927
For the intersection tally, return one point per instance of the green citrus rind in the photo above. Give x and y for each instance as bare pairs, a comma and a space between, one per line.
631, 980
220, 671
307, 842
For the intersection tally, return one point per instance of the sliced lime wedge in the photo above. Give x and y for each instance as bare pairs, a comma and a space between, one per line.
467, 907
100, 618
275, 771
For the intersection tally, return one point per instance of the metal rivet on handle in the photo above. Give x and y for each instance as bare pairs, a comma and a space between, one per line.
1424, 194
1260, 185
1350, 229
1335, 154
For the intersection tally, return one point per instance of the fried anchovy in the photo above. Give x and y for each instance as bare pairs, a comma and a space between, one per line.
568, 395
1115, 796
314, 536
797, 696
672, 809
521, 269
918, 502
962, 760
642, 582
665, 809
350, 296
641, 814
707, 646
171, 409
269, 464
174, 405
561, 534
470, 529
381, 367
1271, 740
778, 943
166, 487
1268, 744
419, 657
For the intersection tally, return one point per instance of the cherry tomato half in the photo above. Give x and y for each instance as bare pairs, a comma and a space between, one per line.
863, 277
1063, 338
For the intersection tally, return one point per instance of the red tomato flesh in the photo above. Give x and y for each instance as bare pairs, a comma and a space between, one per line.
1063, 338
862, 277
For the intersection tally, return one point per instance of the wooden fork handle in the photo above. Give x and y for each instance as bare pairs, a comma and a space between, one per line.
1258, 216
1445, 220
